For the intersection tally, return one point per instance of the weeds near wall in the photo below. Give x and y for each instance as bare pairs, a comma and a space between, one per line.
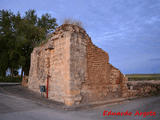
73, 22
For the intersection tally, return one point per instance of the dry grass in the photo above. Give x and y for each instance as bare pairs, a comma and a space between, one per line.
73, 22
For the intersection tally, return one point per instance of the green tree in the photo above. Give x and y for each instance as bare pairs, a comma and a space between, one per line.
6, 36
34, 31
19, 35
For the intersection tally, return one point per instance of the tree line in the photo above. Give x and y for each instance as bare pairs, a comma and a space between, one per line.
18, 36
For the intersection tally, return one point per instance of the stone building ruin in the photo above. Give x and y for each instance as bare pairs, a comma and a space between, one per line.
74, 70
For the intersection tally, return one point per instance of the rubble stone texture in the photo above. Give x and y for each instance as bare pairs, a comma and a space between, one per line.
25, 81
78, 71
143, 88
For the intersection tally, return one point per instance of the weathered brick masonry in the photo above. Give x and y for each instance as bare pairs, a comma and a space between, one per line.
104, 81
77, 70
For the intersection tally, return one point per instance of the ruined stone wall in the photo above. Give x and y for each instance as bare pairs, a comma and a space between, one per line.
143, 88
92, 77
103, 80
77, 70
78, 63
52, 60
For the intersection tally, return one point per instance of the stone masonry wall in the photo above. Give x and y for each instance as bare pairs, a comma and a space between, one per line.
78, 72
52, 60
78, 64
143, 88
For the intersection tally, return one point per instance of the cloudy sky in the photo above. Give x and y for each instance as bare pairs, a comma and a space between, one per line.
129, 30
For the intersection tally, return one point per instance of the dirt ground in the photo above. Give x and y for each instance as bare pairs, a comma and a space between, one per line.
18, 103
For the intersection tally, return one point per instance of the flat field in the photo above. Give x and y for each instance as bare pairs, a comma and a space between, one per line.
143, 77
